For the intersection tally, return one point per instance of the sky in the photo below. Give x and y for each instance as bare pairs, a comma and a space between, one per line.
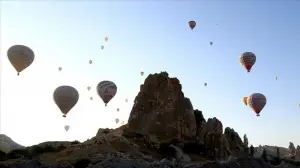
150, 36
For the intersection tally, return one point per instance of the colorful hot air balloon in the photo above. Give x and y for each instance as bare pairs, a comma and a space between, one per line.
247, 60
102, 47
59, 68
192, 24
106, 38
20, 57
211, 43
118, 109
142, 73
90, 61
88, 88
65, 97
106, 90
244, 100
205, 84
67, 127
257, 102
117, 120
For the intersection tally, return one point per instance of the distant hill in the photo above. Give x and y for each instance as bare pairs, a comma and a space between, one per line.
13, 145
271, 150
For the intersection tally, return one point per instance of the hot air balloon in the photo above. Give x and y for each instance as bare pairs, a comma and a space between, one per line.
192, 24
257, 102
247, 60
20, 57
88, 88
106, 90
67, 127
118, 109
276, 78
244, 100
91, 98
117, 120
211, 43
65, 97
4, 147
126, 100
106, 38
90, 61
59, 68
102, 47
205, 84
142, 73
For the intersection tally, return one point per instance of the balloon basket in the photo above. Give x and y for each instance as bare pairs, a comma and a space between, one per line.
64, 116
257, 115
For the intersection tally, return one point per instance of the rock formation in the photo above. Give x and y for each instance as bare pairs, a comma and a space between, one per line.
161, 109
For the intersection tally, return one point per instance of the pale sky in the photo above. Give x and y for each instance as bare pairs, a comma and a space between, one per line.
151, 37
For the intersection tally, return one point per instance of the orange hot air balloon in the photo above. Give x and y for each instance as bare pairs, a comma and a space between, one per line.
244, 100
247, 60
192, 24
257, 102
142, 73
106, 38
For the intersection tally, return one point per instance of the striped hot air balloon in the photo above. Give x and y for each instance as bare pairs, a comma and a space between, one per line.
192, 24
106, 90
257, 102
247, 60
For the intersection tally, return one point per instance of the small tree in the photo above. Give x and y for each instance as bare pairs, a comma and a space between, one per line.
245, 141
251, 151
264, 155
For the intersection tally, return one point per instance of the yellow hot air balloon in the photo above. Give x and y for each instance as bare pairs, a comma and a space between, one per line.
244, 100
20, 57
65, 97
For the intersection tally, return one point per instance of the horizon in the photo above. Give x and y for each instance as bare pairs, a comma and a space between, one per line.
150, 37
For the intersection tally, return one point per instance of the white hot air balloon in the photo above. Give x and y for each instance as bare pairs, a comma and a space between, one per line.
20, 57
67, 127
106, 90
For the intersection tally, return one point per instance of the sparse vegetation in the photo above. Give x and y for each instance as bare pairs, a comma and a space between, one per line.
75, 142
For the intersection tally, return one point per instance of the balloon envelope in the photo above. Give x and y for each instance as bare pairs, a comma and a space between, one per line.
244, 100
126, 100
205, 84
117, 120
257, 102
60, 68
142, 73
106, 38
118, 109
20, 57
102, 47
211, 43
247, 60
106, 90
88, 88
90, 61
67, 127
65, 97
192, 24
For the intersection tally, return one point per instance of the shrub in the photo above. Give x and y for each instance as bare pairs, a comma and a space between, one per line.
17, 153
2, 155
82, 163
75, 142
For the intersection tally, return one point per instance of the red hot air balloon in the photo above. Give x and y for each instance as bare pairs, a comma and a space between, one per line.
142, 73
192, 24
247, 60
257, 102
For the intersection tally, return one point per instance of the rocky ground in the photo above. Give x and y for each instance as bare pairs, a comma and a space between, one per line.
163, 130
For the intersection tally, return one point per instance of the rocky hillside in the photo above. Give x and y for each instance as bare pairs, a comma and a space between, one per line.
163, 125
12, 145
